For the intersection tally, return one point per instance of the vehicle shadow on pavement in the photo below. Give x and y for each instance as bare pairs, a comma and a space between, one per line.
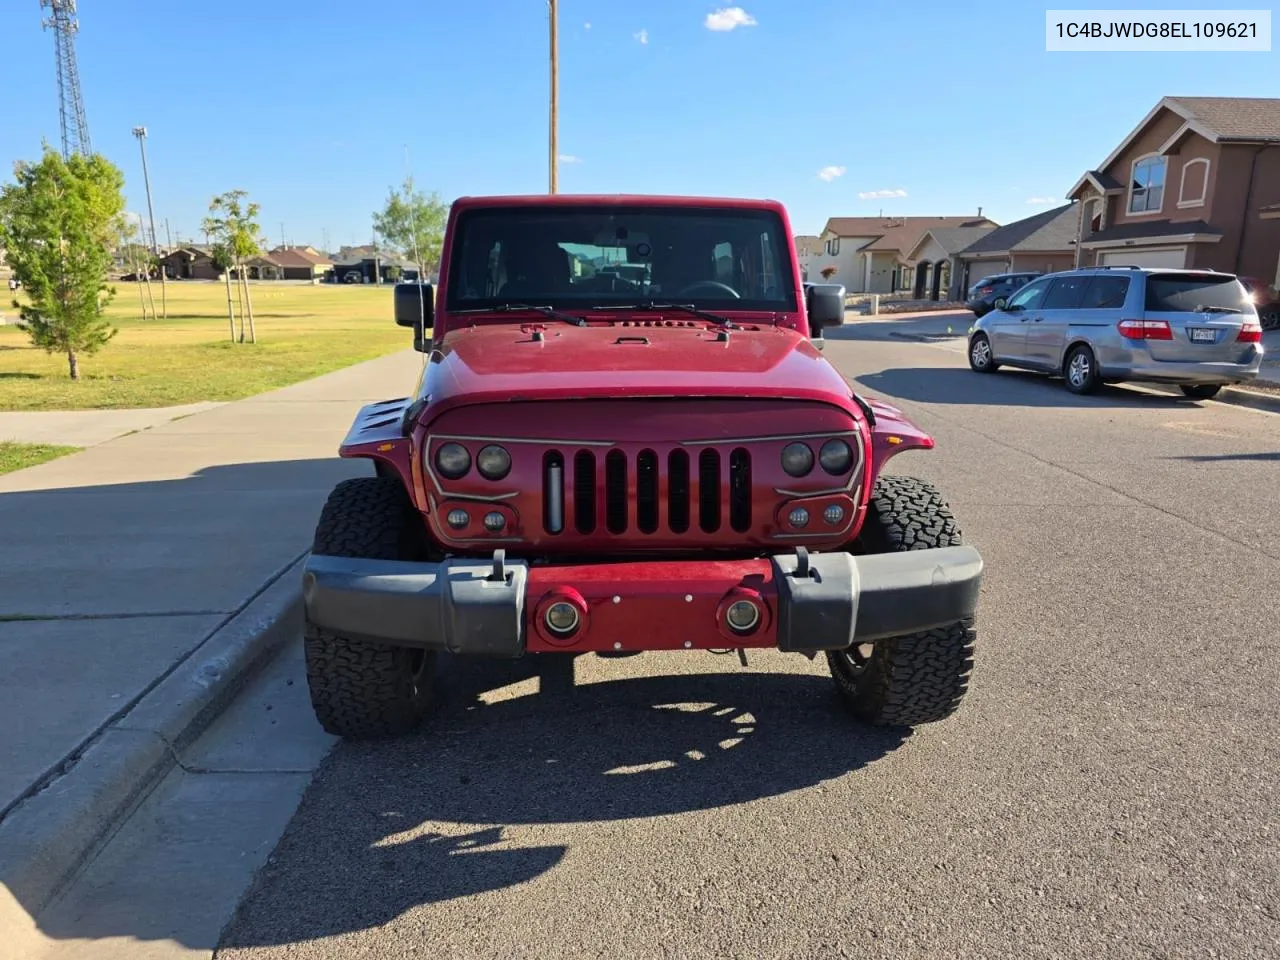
954, 385
487, 795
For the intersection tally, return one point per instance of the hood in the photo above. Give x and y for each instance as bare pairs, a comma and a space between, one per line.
500, 362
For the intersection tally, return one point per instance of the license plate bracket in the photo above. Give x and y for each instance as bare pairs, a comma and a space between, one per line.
1203, 335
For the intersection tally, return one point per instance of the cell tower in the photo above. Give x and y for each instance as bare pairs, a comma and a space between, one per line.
75, 129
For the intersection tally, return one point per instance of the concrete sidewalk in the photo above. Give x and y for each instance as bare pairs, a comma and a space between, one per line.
87, 428
141, 581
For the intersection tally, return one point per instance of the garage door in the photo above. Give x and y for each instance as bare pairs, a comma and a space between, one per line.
1167, 257
981, 269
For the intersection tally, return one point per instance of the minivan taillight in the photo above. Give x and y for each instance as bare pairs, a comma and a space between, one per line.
1251, 332
1145, 329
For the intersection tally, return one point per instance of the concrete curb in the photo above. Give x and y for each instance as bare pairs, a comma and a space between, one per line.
50, 836
1254, 399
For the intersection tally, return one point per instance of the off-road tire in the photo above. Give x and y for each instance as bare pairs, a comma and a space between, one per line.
922, 677
362, 690
1201, 391
981, 366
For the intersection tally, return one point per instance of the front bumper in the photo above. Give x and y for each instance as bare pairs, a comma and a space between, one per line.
807, 603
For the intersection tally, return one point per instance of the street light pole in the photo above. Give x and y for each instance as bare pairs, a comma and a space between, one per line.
141, 134
555, 69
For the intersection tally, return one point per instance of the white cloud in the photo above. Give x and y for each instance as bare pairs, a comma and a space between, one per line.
1041, 201
587, 25
642, 36
568, 158
830, 173
881, 194
728, 18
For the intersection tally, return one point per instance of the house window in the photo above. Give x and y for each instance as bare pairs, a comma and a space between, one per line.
1195, 183
1146, 188
833, 247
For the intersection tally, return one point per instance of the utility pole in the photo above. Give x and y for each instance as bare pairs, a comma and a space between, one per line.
141, 134
282, 243
555, 95
167, 234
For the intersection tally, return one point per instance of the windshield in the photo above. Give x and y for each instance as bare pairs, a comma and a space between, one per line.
1186, 293
580, 257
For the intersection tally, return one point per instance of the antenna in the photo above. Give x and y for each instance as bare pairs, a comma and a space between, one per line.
75, 128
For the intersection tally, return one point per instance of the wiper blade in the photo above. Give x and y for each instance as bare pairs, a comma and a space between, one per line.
1205, 308
651, 307
517, 307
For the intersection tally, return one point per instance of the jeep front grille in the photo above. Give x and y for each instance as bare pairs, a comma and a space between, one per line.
604, 489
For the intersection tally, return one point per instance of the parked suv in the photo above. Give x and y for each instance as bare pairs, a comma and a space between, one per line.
991, 293
586, 469
1198, 329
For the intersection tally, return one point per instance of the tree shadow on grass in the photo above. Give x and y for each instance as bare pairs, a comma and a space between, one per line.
425, 819
13, 375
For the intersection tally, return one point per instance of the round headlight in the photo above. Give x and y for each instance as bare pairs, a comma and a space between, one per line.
742, 616
493, 462
799, 517
458, 519
561, 618
797, 459
453, 460
836, 457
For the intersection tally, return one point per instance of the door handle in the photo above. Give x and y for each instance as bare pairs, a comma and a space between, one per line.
1037, 319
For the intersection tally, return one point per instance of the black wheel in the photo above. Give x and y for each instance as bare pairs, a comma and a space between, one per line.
980, 356
922, 677
1269, 316
363, 690
1201, 391
1080, 370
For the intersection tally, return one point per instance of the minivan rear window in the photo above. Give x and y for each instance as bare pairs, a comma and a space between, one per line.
1187, 293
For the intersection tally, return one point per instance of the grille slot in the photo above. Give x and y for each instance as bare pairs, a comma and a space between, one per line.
678, 491
647, 491
740, 490
615, 491
553, 491
584, 492
709, 491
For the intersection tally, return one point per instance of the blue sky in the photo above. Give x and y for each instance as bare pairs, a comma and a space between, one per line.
309, 106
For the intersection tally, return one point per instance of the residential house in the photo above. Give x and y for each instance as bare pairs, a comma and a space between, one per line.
806, 248
192, 261
1043, 243
870, 253
933, 262
372, 267
300, 263
1194, 185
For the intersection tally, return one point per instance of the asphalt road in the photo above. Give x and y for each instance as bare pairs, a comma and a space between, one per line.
1109, 787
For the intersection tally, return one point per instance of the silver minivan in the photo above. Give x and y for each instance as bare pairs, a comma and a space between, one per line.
1198, 329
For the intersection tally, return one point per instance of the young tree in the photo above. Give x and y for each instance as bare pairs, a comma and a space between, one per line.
58, 223
828, 272
233, 223
413, 222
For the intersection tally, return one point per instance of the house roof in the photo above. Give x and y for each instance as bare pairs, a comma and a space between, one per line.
1217, 119
1052, 230
1159, 229
896, 233
951, 239
289, 257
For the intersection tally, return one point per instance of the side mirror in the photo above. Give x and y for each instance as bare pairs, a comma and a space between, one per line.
824, 303
415, 307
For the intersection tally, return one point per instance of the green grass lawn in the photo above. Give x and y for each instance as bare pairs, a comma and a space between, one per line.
18, 456
303, 331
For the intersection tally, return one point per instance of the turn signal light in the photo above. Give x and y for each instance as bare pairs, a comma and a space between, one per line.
1250, 333
1145, 330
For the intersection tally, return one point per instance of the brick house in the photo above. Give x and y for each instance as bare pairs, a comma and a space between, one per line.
1195, 184
191, 261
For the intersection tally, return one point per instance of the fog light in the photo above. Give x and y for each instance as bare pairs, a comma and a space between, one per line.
561, 618
742, 616
833, 514
493, 522
799, 517
458, 519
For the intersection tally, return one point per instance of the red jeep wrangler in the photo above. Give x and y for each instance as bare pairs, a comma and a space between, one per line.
625, 438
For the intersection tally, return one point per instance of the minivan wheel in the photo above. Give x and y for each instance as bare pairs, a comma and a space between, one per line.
1201, 391
1080, 370
980, 357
